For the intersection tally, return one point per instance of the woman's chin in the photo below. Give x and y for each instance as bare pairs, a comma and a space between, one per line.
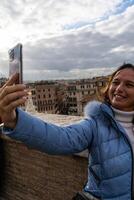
118, 105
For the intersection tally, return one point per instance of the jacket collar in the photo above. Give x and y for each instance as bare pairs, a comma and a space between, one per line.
95, 108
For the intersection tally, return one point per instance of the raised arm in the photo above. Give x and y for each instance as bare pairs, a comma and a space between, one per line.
51, 138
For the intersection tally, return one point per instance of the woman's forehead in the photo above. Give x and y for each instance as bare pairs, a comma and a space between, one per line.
125, 74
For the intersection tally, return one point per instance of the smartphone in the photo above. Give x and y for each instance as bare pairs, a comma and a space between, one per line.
15, 62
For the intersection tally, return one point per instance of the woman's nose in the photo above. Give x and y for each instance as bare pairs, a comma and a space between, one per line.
120, 87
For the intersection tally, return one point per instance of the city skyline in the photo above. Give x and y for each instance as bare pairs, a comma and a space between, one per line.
67, 39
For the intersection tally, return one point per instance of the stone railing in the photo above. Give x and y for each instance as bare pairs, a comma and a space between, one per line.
27, 174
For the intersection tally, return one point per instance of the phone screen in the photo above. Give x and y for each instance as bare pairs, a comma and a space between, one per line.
15, 62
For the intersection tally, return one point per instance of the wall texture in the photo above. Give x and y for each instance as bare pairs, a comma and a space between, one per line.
26, 174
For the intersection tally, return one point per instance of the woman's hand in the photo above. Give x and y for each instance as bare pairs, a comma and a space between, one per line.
11, 96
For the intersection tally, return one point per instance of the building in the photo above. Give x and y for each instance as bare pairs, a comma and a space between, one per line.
66, 97
81, 91
48, 97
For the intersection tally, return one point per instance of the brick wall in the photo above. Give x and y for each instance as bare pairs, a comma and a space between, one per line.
27, 174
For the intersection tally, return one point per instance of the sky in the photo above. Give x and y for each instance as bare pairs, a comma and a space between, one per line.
67, 39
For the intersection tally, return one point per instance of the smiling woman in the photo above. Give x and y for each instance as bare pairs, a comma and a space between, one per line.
120, 91
107, 131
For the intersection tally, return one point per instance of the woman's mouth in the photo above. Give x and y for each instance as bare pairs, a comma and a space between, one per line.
119, 97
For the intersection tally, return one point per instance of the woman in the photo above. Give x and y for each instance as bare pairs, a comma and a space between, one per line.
107, 132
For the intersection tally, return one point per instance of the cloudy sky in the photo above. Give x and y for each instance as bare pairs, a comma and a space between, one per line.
67, 38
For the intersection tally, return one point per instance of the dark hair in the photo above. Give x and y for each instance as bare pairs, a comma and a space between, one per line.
105, 93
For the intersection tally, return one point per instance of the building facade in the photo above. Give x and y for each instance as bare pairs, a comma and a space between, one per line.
66, 97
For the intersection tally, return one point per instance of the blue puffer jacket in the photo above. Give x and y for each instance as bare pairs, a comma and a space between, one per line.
110, 160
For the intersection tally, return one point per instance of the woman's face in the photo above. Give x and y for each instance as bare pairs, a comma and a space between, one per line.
121, 90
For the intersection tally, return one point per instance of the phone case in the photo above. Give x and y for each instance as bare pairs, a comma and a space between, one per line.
15, 62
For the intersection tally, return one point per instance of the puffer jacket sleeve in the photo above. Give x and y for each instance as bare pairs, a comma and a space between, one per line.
51, 138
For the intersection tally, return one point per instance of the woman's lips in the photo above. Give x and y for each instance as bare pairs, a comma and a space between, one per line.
119, 97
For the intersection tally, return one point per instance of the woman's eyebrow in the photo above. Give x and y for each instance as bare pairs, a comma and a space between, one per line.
131, 81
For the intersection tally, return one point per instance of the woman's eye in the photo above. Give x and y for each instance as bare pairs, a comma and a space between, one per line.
130, 85
115, 82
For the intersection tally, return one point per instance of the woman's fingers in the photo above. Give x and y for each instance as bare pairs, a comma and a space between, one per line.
12, 80
14, 104
13, 97
11, 89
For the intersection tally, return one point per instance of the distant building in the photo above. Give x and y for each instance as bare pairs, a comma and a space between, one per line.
66, 97
81, 91
47, 96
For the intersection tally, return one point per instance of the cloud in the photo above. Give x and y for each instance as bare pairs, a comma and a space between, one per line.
67, 38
